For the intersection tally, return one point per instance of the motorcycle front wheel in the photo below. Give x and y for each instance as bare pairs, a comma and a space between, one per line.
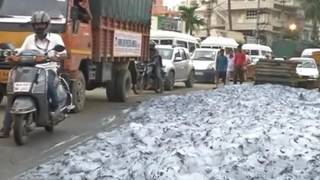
20, 128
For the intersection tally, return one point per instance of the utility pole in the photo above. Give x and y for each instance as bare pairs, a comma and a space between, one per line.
283, 3
209, 4
258, 23
229, 15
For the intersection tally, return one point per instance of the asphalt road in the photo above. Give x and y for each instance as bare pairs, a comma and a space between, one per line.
98, 115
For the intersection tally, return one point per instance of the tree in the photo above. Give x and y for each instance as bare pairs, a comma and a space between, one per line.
192, 20
311, 12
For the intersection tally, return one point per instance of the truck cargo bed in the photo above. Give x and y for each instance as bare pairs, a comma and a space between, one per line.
281, 72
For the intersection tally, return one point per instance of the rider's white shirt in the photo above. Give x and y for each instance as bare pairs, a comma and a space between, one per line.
51, 40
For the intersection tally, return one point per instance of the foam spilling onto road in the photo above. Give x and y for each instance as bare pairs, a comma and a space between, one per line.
236, 132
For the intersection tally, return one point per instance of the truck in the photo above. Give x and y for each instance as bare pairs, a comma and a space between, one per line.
103, 39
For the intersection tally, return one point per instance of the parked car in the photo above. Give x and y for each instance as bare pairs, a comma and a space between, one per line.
308, 52
178, 66
279, 59
204, 61
219, 42
307, 68
257, 52
175, 38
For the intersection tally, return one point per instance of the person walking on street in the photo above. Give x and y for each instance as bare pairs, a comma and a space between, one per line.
221, 67
245, 66
230, 66
239, 66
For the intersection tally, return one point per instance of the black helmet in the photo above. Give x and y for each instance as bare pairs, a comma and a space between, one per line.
152, 44
40, 22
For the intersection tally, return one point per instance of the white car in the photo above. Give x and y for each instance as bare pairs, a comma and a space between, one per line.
204, 61
309, 52
257, 52
307, 67
178, 66
279, 59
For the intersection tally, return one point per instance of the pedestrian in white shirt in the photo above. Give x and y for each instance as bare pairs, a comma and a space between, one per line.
230, 65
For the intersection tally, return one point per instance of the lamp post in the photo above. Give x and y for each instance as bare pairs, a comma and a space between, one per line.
292, 27
258, 23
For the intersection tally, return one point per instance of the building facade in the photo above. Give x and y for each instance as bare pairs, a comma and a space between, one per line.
260, 21
164, 18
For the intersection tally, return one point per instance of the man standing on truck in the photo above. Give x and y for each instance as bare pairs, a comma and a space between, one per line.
42, 41
239, 65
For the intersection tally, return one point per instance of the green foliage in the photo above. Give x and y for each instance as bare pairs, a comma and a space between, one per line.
312, 12
192, 20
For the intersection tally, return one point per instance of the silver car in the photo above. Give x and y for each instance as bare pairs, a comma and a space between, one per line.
178, 66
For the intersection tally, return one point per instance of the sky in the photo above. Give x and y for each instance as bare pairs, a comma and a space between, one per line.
172, 3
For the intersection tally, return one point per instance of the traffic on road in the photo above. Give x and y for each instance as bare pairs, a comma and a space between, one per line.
95, 89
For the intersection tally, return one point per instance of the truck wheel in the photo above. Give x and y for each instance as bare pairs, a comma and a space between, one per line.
1, 97
111, 88
20, 131
123, 85
79, 93
190, 81
169, 81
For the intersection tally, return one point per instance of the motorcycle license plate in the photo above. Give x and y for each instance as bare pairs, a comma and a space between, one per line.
21, 86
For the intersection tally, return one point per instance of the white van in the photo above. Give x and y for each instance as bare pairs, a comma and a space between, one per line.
204, 61
174, 38
219, 42
257, 51
308, 52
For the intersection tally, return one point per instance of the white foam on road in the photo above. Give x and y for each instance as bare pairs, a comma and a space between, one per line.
234, 133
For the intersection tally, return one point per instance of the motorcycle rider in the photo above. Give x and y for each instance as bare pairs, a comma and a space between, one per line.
155, 57
43, 41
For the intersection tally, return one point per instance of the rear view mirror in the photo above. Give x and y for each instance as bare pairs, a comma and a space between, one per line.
59, 48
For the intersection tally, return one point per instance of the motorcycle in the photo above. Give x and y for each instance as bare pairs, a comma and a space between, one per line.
147, 78
27, 95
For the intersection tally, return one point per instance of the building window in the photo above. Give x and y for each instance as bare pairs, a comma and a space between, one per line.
252, 14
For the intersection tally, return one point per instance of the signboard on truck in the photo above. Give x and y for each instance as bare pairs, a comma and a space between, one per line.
127, 44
